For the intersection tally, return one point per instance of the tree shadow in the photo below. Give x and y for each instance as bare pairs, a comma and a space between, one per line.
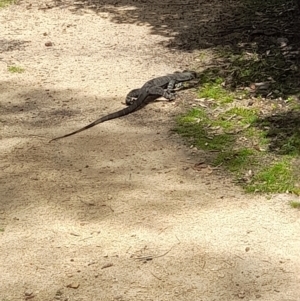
11, 45
283, 132
29, 120
252, 41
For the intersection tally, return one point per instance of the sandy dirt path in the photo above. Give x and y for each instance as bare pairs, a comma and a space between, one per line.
118, 212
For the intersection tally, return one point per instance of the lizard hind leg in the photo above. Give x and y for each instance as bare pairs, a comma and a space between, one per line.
132, 96
159, 91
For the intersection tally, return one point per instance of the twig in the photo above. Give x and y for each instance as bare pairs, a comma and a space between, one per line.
155, 276
108, 265
150, 257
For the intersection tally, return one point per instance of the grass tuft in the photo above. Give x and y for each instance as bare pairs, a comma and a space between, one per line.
196, 125
274, 178
237, 143
295, 204
4, 3
15, 69
235, 161
214, 90
252, 129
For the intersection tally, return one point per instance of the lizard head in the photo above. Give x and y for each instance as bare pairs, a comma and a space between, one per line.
192, 73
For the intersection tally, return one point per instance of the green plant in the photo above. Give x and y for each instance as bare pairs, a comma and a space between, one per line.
15, 69
235, 160
214, 90
239, 146
4, 3
252, 127
295, 204
291, 146
277, 177
196, 125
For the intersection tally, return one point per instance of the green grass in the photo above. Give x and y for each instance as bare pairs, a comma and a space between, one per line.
214, 133
209, 133
194, 116
4, 3
245, 116
291, 145
235, 118
196, 125
295, 204
15, 69
235, 161
239, 146
252, 65
214, 90
1, 230
251, 129
277, 177
261, 136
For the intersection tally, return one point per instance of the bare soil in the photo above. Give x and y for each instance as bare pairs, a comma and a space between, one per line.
119, 212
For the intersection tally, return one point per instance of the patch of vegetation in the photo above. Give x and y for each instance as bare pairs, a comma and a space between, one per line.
214, 90
248, 67
1, 230
291, 145
295, 204
196, 125
277, 177
245, 116
283, 132
215, 132
240, 142
236, 117
4, 3
236, 161
260, 54
15, 69
253, 128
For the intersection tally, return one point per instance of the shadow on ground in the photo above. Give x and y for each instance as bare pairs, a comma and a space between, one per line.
254, 41
88, 167
283, 132
11, 45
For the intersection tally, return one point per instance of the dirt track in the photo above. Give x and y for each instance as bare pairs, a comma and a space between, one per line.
118, 212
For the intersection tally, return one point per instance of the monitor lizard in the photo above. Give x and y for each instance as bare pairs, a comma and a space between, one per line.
157, 87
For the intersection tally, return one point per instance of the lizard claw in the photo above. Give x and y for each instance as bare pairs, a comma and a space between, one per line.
179, 86
130, 100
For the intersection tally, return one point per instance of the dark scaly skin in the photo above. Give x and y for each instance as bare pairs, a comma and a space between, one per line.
160, 86
132, 96
178, 79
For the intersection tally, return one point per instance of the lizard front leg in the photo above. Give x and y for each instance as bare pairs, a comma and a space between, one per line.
171, 85
174, 86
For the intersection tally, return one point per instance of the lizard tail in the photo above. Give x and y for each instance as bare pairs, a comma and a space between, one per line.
111, 116
78, 131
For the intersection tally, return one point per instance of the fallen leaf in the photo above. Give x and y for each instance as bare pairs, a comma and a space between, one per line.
74, 285
108, 265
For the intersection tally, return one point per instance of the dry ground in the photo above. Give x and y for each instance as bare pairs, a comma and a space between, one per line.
118, 212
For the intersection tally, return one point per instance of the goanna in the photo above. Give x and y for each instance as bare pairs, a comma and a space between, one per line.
157, 87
